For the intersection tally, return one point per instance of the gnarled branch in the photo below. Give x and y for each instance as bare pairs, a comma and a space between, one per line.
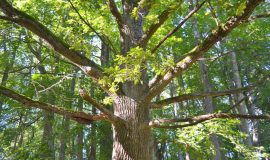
202, 118
160, 82
80, 117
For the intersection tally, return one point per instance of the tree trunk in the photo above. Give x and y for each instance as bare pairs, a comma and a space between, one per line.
64, 138
242, 108
6, 72
131, 135
47, 148
48, 137
80, 134
208, 101
105, 129
93, 146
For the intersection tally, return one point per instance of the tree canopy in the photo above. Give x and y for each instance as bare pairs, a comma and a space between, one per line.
134, 79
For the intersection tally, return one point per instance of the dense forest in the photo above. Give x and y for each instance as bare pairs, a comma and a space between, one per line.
134, 79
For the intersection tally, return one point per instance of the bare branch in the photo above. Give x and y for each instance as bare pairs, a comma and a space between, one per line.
191, 96
202, 118
23, 19
197, 52
99, 106
177, 27
155, 26
80, 117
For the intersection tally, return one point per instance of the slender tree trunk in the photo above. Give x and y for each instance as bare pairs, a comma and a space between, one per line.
105, 129
47, 147
242, 108
208, 101
80, 134
93, 146
6, 71
64, 138
48, 137
253, 110
209, 107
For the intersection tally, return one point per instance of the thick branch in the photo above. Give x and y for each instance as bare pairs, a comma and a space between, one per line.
177, 27
80, 117
197, 52
202, 118
155, 26
116, 14
191, 96
23, 19
99, 106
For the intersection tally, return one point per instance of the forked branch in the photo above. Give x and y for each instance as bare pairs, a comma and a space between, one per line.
188, 16
80, 117
99, 106
155, 26
202, 118
158, 84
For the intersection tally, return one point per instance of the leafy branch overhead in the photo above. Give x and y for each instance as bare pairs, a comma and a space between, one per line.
141, 66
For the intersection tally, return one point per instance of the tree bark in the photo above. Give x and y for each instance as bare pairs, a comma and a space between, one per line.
47, 148
93, 145
131, 135
64, 138
80, 134
208, 101
48, 137
242, 108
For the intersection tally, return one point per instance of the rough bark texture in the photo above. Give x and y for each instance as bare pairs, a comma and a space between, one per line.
131, 130
131, 135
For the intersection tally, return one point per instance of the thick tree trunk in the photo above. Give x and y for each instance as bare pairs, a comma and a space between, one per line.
131, 135
242, 108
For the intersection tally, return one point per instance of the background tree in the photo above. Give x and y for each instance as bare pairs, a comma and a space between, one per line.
122, 58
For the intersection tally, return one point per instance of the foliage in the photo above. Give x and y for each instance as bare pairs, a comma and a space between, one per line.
197, 139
